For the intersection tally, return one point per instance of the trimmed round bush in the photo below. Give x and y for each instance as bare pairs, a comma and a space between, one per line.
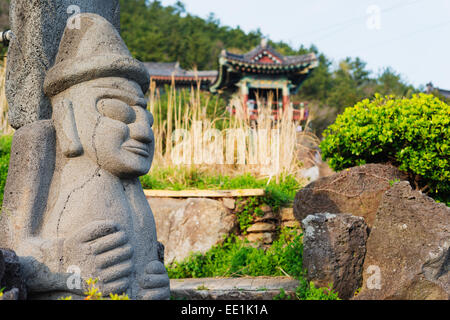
412, 134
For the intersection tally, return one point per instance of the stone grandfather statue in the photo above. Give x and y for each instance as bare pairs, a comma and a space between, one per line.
73, 200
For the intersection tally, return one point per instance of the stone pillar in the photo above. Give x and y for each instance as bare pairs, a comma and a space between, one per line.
38, 27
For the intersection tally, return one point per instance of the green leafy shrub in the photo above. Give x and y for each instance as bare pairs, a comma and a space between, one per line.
412, 134
5, 149
308, 291
247, 209
237, 258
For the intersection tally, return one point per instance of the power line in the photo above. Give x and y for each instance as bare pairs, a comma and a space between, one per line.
405, 36
342, 25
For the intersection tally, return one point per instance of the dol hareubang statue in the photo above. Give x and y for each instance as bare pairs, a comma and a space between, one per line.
73, 198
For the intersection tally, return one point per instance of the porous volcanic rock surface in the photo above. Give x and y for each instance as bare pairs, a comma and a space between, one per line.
188, 226
408, 256
357, 191
334, 250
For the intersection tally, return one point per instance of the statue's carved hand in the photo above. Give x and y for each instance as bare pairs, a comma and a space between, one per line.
155, 282
103, 252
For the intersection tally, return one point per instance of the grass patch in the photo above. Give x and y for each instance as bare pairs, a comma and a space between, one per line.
278, 194
185, 178
308, 291
237, 258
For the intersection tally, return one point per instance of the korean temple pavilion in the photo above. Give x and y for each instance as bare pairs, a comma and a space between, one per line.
255, 76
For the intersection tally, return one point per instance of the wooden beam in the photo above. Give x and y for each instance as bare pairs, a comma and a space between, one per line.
205, 193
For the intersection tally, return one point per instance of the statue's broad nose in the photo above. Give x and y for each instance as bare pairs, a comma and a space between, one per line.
141, 129
142, 132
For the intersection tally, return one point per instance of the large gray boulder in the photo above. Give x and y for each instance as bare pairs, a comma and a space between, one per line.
188, 226
10, 295
11, 276
334, 249
357, 191
408, 255
2, 265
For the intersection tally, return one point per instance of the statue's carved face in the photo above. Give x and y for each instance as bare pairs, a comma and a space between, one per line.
114, 126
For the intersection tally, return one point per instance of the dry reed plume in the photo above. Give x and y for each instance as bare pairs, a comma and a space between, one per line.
267, 149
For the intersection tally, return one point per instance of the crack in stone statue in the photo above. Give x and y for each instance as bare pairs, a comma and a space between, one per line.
73, 197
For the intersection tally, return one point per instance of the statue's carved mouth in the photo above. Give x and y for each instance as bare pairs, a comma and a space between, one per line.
138, 148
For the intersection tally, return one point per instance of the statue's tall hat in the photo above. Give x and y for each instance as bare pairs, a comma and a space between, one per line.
94, 50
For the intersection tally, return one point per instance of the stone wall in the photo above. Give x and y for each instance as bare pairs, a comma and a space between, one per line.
187, 225
265, 229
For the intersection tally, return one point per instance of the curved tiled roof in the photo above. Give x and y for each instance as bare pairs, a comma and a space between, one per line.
263, 60
267, 50
167, 70
162, 68
431, 88
445, 93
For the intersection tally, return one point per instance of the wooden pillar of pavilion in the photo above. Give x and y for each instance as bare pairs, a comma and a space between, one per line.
286, 96
244, 98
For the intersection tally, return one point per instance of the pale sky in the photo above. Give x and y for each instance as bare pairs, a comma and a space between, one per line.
411, 36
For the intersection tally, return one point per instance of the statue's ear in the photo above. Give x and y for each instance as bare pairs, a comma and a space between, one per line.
66, 128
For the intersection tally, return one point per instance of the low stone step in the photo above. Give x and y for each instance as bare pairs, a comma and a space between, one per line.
260, 288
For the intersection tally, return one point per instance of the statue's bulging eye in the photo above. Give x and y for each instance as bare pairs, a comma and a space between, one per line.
117, 110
